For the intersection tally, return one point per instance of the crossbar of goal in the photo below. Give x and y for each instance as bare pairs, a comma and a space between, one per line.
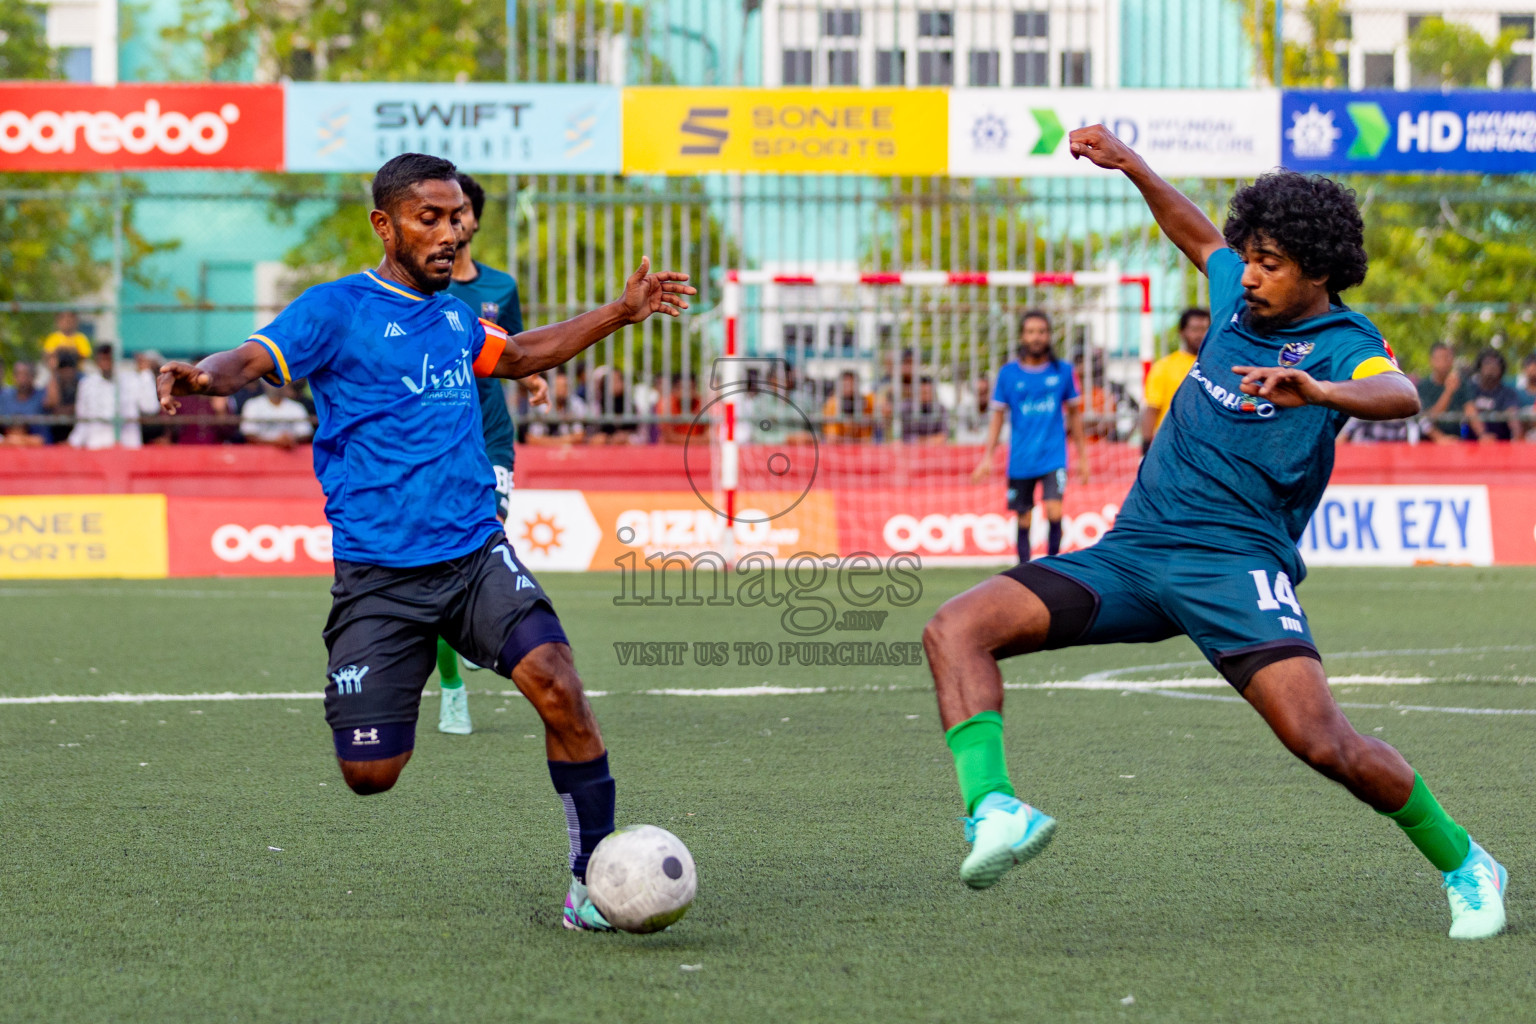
736, 280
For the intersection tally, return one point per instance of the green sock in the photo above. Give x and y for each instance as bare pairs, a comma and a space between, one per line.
1429, 828
977, 744
448, 666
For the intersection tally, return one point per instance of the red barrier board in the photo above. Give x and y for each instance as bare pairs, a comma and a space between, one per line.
257, 537
137, 127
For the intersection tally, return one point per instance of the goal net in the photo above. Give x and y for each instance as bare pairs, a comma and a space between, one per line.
850, 410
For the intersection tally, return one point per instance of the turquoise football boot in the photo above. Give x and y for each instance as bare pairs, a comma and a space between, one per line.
1476, 892
1003, 832
581, 914
453, 714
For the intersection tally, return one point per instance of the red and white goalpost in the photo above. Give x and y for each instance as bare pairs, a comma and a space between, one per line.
730, 484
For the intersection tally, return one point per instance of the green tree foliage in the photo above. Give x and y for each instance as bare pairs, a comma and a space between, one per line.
1456, 54
1309, 62
24, 50
1456, 267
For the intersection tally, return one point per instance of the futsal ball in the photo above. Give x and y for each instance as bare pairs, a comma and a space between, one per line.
642, 878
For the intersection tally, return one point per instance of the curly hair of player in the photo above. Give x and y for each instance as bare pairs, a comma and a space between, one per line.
1313, 220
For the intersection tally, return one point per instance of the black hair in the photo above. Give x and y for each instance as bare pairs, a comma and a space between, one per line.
1193, 313
1437, 346
1038, 314
1492, 353
396, 178
1310, 218
473, 192
1529, 360
105, 348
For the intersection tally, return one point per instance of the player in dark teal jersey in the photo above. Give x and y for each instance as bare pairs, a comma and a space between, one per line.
491, 295
391, 360
1205, 544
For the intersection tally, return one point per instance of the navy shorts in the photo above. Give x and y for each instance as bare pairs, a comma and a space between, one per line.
384, 624
1240, 610
1021, 490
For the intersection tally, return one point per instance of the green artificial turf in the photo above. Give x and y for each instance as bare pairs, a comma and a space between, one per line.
201, 861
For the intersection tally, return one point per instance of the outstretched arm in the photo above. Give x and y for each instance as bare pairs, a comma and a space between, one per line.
1181, 220
644, 293
1382, 396
222, 373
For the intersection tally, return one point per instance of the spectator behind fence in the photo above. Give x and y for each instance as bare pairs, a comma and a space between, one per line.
612, 404
62, 391
923, 419
683, 402
276, 419
146, 365
1165, 376
1492, 407
108, 405
566, 413
67, 335
848, 413
1527, 384
1440, 411
24, 398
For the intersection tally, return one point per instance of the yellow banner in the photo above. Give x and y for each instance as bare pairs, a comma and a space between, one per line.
795, 131
77, 536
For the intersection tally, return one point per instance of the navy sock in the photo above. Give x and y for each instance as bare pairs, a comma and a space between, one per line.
588, 792
1023, 543
1053, 542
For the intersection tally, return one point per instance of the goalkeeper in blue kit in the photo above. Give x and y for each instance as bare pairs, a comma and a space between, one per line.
1205, 544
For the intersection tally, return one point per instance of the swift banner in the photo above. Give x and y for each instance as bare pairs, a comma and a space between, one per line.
1206, 133
65, 127
82, 536
796, 131
494, 128
1379, 132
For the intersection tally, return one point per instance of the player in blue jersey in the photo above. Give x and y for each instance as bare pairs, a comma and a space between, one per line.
492, 295
1205, 544
392, 360
1038, 394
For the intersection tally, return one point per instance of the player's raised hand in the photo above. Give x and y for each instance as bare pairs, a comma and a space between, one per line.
662, 292
176, 379
1101, 146
537, 390
1284, 387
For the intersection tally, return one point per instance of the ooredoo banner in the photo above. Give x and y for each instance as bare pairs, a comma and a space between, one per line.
69, 127
226, 537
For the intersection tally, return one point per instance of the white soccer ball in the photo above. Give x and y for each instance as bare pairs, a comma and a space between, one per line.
642, 878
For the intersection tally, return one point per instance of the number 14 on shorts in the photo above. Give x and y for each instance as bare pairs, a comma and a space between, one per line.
1282, 594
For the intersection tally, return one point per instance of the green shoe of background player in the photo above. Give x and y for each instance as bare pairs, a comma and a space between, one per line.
453, 714
1004, 832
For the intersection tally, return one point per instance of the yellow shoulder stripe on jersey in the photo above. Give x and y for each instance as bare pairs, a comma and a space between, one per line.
281, 376
398, 291
1374, 365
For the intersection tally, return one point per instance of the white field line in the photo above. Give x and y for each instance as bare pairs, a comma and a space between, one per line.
1115, 673
1403, 708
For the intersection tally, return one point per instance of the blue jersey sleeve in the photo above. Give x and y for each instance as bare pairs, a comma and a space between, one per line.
1224, 269
303, 337
1069, 388
998, 396
1361, 353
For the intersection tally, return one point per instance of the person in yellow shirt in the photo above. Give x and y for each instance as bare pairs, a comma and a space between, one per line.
67, 334
1169, 372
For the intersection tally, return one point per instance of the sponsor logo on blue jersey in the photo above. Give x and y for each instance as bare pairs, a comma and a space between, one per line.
445, 386
1234, 400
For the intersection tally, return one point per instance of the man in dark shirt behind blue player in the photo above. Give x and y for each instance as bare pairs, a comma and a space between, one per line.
1039, 396
491, 295
1205, 544
391, 360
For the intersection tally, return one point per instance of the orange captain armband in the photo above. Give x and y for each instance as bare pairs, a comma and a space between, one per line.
496, 339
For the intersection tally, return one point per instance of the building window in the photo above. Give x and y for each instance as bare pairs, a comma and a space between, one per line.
1380, 70
1030, 68
75, 62
890, 67
935, 67
1523, 25
840, 22
1075, 68
799, 337
1416, 22
1343, 58
841, 340
1517, 72
843, 67
1346, 26
797, 67
985, 66
935, 24
1031, 24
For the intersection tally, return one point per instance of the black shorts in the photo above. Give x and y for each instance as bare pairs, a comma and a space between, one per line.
384, 624
1021, 490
